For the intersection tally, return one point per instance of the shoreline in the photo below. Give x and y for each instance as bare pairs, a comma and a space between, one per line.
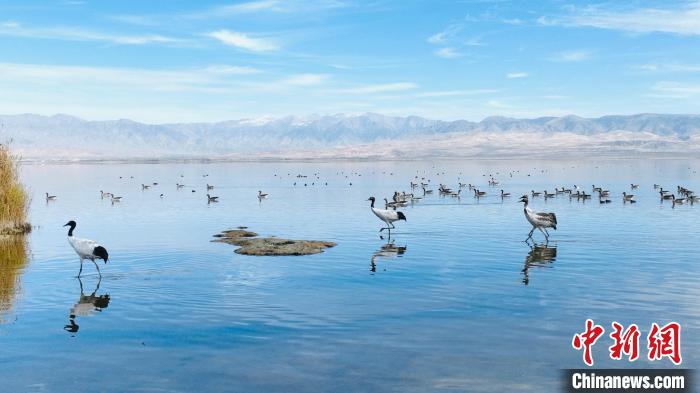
224, 160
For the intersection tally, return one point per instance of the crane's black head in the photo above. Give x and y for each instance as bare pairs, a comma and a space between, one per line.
372, 200
523, 199
401, 216
70, 224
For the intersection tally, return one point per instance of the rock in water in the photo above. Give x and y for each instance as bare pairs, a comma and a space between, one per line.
250, 244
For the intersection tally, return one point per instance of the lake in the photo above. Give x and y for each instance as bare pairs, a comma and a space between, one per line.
453, 301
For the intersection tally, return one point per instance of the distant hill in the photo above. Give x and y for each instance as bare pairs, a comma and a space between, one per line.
368, 135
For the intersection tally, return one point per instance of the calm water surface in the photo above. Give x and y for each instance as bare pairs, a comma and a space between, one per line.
454, 301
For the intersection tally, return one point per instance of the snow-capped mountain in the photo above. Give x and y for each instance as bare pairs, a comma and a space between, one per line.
348, 136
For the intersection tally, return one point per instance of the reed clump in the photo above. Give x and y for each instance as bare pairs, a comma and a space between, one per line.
14, 200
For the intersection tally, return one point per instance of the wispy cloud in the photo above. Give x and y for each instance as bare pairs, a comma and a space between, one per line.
683, 20
456, 93
571, 56
669, 67
15, 29
516, 75
381, 88
244, 41
232, 70
449, 32
447, 53
211, 77
676, 89
306, 79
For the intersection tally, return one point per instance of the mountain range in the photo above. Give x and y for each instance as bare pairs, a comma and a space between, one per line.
363, 136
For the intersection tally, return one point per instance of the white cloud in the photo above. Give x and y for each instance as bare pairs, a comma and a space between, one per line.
381, 88
676, 89
454, 93
516, 75
497, 104
243, 41
444, 35
15, 29
514, 21
305, 79
252, 6
447, 53
670, 67
570, 56
684, 20
10, 24
232, 70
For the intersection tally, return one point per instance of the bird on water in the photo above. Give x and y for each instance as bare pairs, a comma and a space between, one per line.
388, 216
539, 220
86, 249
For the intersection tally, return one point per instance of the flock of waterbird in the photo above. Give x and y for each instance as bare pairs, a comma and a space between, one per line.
539, 220
542, 221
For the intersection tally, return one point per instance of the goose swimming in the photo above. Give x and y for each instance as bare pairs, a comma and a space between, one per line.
50, 197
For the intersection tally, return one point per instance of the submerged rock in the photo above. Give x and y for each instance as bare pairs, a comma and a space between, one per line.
250, 244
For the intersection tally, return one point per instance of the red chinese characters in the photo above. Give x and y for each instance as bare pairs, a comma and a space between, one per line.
587, 339
626, 342
665, 342
662, 342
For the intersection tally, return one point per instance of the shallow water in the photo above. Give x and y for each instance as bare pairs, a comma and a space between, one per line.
466, 306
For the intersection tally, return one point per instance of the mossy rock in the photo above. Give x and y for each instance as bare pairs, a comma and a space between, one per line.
250, 244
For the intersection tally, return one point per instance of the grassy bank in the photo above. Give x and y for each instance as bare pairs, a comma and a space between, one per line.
14, 201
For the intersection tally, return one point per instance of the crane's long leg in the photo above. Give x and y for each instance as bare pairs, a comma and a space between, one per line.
98, 268
81, 267
546, 236
546, 231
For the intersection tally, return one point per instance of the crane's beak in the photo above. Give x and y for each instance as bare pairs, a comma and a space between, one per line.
68, 224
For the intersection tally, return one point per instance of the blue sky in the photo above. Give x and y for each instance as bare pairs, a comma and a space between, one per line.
174, 61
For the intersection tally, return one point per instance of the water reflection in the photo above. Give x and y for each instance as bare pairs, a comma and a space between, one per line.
387, 251
540, 255
86, 306
13, 259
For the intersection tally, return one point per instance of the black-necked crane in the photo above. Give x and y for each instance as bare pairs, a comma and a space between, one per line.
211, 199
86, 249
50, 197
388, 216
538, 220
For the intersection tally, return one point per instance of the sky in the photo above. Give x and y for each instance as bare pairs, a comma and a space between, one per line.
189, 61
